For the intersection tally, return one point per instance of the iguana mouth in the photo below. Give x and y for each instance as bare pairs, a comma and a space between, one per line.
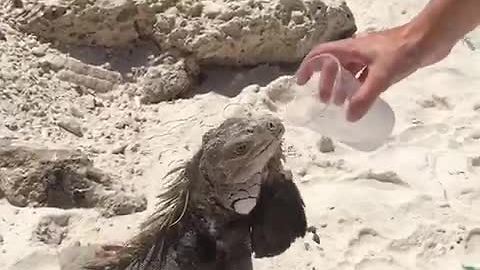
264, 149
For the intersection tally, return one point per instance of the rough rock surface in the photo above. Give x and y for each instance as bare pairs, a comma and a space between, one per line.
225, 32
51, 229
59, 178
246, 32
190, 33
171, 78
325, 145
34, 102
74, 71
107, 23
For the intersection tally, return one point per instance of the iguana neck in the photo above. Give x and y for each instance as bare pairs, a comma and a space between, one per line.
203, 191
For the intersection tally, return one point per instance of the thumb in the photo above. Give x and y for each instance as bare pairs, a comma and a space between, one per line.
376, 82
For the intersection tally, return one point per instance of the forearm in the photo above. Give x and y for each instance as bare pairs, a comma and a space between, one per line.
440, 25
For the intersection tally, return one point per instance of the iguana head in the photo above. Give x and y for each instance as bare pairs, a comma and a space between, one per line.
236, 153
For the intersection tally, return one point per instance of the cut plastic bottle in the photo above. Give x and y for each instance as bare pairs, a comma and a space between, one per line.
329, 119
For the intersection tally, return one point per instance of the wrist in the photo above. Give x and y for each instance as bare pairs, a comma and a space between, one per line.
428, 42
436, 30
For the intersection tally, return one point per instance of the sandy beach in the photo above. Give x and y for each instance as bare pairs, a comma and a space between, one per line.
412, 204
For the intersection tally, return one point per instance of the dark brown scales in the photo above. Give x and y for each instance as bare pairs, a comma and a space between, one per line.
195, 229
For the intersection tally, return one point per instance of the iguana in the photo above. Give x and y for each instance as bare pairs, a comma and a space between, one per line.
231, 199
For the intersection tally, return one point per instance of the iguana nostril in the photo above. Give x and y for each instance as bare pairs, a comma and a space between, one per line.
275, 127
271, 126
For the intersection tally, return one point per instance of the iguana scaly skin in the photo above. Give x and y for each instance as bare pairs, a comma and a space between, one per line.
232, 199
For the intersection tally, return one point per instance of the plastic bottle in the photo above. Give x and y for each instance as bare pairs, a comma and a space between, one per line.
329, 119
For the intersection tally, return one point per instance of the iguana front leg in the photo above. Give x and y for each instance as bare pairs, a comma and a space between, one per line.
278, 217
233, 247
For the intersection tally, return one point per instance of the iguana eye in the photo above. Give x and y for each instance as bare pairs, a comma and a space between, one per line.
241, 149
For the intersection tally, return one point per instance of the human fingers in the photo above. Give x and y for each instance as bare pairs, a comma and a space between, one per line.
375, 83
354, 67
327, 79
339, 94
308, 65
343, 50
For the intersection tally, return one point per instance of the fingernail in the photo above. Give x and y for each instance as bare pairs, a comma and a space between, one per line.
299, 80
325, 97
351, 118
353, 115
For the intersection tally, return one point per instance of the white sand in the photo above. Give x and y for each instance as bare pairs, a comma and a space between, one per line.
413, 204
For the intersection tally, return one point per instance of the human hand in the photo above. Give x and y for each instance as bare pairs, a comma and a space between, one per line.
382, 58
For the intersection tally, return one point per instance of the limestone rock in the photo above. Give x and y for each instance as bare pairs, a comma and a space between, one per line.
52, 229
325, 145
238, 33
168, 80
104, 23
122, 204
74, 71
42, 177
59, 178
72, 127
248, 32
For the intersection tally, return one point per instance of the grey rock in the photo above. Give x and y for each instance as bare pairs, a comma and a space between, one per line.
76, 112
60, 178
11, 124
51, 230
122, 204
40, 50
325, 145
72, 127
120, 149
248, 32
168, 81
71, 70
113, 23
